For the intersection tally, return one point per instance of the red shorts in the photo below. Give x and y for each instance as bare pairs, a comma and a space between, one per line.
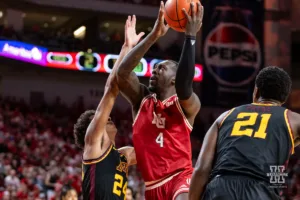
170, 187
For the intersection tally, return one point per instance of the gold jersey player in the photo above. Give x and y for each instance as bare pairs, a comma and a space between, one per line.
105, 168
246, 144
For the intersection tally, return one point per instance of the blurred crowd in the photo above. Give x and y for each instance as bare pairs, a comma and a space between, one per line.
38, 158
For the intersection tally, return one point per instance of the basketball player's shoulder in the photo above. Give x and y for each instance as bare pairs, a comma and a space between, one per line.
225, 114
294, 120
229, 113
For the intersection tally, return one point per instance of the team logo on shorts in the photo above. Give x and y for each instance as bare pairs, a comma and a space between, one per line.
188, 181
232, 54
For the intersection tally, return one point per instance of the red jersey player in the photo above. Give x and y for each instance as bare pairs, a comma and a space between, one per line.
164, 112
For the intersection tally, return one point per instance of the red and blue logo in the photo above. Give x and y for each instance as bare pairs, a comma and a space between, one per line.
232, 54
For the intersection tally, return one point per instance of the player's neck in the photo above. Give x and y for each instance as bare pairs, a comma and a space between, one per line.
164, 94
268, 101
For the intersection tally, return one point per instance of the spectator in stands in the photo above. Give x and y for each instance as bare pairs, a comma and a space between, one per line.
37, 154
68, 193
12, 180
129, 193
51, 181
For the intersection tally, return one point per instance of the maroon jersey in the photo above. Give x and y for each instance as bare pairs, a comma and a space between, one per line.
161, 138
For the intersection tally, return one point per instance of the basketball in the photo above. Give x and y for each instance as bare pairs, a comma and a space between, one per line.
174, 15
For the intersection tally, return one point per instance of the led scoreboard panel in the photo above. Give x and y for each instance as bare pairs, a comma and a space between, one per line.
82, 61
95, 62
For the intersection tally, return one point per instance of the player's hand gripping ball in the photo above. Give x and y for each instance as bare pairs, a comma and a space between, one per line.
174, 15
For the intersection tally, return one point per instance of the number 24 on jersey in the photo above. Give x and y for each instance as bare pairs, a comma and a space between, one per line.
119, 186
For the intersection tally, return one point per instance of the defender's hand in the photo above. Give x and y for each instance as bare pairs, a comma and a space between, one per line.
160, 28
194, 22
131, 38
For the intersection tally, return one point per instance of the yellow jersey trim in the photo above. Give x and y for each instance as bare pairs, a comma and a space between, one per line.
82, 173
94, 161
263, 104
290, 129
229, 112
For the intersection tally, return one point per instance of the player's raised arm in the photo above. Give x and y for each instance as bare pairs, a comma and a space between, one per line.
205, 160
96, 129
128, 81
186, 68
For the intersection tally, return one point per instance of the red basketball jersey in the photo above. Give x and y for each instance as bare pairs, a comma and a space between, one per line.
161, 138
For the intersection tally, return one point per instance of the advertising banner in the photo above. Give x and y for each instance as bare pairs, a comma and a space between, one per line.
95, 62
81, 61
23, 52
232, 50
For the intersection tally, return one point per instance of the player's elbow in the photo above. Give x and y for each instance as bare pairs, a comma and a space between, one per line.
132, 162
200, 171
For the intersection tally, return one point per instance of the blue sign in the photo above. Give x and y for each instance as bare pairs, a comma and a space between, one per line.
23, 52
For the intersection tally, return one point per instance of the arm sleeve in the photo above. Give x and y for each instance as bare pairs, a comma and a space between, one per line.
186, 69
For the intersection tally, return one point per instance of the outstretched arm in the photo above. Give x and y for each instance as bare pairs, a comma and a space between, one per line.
205, 161
129, 83
96, 129
189, 101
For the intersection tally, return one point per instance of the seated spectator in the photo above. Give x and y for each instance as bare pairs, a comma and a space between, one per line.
68, 193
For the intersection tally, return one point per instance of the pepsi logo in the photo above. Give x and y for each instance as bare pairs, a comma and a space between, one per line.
232, 54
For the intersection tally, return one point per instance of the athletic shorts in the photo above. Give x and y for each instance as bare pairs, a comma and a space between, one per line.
170, 187
238, 188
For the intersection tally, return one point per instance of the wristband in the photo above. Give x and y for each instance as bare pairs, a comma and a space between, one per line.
190, 37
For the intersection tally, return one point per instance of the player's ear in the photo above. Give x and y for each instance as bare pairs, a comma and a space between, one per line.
255, 95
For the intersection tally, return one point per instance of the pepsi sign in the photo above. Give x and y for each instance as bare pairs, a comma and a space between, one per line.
232, 54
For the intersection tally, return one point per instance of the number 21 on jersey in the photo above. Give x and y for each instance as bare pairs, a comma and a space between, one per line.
160, 139
249, 119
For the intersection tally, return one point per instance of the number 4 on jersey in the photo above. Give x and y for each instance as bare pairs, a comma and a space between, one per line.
160, 139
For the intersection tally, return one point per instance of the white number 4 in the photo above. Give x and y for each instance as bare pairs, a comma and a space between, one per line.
160, 139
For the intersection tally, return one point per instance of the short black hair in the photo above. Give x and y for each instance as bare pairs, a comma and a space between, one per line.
273, 83
81, 126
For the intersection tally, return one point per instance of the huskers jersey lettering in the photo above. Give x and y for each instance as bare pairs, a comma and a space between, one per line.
105, 178
252, 139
